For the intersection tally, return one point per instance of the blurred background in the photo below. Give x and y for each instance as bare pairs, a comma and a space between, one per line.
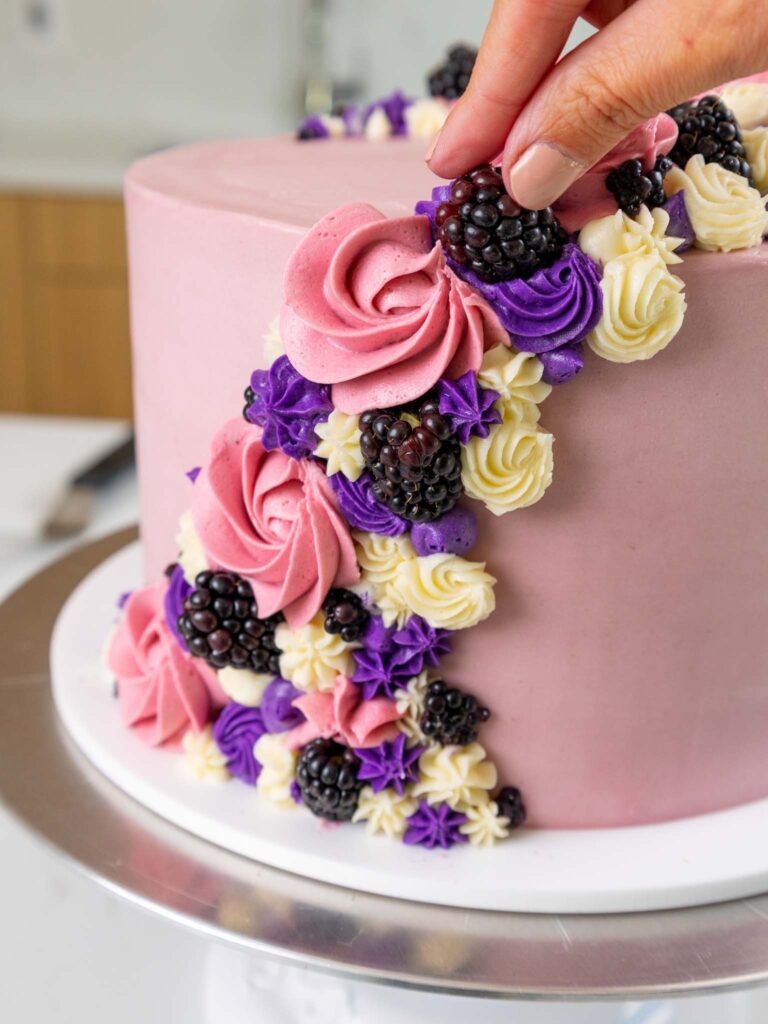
87, 86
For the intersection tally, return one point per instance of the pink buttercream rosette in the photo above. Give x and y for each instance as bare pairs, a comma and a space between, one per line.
274, 521
372, 308
589, 198
344, 715
163, 691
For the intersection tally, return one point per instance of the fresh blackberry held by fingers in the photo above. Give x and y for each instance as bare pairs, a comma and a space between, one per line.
632, 187
345, 615
450, 79
708, 127
416, 466
326, 774
451, 717
483, 229
221, 623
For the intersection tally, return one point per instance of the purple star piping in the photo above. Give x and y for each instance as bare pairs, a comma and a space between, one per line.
468, 408
434, 826
391, 764
391, 657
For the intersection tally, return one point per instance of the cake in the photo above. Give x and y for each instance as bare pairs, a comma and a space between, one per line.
456, 650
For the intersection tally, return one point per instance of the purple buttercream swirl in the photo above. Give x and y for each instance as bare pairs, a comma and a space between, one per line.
236, 731
455, 532
468, 408
434, 826
277, 710
394, 106
362, 510
556, 306
562, 364
288, 407
173, 602
391, 764
391, 657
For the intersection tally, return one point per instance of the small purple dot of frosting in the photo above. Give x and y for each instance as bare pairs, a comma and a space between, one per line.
454, 533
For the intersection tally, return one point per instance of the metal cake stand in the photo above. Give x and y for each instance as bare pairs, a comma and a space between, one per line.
52, 790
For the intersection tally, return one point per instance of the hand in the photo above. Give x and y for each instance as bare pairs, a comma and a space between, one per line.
554, 120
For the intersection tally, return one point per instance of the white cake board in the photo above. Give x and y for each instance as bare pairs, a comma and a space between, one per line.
707, 859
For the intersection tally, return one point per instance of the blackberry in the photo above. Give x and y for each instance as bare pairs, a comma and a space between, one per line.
221, 623
451, 78
345, 615
483, 229
510, 803
451, 716
416, 467
632, 187
250, 397
707, 126
326, 773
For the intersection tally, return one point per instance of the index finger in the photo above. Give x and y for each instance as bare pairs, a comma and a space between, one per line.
522, 41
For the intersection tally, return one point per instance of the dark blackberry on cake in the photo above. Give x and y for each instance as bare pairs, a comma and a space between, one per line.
250, 397
709, 127
345, 615
221, 623
326, 774
510, 803
451, 716
482, 228
632, 187
415, 461
451, 78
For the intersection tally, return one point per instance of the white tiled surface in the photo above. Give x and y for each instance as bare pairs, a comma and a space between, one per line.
72, 952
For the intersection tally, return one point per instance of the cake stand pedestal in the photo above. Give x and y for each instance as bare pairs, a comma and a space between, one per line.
304, 925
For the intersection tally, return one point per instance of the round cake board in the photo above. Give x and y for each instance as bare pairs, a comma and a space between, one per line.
706, 859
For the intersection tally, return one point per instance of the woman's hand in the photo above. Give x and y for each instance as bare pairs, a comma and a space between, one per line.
553, 120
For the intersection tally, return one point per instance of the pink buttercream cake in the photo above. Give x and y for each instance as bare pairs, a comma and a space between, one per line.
625, 663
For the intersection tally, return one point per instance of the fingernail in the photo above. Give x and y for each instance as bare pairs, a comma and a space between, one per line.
542, 174
432, 146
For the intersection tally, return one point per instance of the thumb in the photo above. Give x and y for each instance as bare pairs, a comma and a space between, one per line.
619, 78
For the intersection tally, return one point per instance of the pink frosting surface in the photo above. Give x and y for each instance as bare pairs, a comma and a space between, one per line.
274, 521
163, 691
344, 715
372, 308
588, 197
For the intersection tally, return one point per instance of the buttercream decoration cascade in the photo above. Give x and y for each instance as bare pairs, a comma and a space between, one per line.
328, 563
511, 468
311, 658
756, 145
236, 732
372, 308
340, 445
644, 309
277, 770
274, 521
163, 691
345, 715
203, 759
725, 210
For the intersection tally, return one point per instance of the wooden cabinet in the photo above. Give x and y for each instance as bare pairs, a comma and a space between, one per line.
64, 336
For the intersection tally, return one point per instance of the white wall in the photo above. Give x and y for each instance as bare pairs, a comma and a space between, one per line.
168, 70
